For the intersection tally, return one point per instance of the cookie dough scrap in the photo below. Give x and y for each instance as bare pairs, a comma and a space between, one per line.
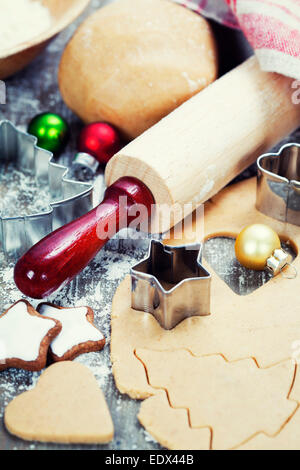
67, 406
170, 426
262, 325
236, 400
289, 436
287, 439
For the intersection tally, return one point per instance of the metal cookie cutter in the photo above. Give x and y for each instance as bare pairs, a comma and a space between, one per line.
278, 188
171, 284
72, 198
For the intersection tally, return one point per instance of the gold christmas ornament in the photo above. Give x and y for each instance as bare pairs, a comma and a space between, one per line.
258, 247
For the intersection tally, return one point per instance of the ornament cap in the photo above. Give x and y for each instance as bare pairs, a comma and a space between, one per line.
84, 165
278, 261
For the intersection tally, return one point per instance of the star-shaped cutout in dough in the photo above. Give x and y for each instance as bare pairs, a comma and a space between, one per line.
25, 337
78, 335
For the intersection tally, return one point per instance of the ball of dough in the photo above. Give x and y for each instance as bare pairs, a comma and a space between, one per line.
134, 61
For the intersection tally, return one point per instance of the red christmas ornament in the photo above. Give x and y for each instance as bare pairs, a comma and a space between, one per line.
100, 140
97, 144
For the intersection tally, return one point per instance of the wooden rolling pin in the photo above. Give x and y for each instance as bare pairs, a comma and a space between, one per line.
186, 158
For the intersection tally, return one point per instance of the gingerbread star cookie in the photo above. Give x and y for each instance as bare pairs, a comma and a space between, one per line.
25, 337
67, 406
78, 335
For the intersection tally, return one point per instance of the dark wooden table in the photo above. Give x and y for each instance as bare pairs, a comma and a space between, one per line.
35, 90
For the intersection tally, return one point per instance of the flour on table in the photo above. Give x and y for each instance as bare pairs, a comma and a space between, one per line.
15, 382
148, 437
20, 195
94, 287
118, 269
100, 369
7, 274
21, 21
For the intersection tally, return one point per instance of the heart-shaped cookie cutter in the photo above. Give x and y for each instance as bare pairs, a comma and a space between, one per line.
171, 284
71, 198
278, 184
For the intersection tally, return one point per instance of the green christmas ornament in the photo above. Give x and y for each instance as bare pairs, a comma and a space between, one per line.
51, 130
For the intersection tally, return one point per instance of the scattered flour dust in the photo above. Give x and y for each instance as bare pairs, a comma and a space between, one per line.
101, 370
149, 438
94, 287
101, 279
15, 383
21, 21
119, 268
20, 194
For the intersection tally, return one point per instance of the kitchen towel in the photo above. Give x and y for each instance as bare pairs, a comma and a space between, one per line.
271, 26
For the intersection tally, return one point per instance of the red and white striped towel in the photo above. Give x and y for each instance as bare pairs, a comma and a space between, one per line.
271, 26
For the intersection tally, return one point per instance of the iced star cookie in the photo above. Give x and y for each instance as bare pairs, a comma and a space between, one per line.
78, 335
25, 336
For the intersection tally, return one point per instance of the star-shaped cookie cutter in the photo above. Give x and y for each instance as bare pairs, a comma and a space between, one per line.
278, 184
72, 198
171, 284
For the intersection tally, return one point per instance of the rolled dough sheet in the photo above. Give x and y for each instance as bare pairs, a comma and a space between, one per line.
263, 325
170, 426
236, 400
288, 438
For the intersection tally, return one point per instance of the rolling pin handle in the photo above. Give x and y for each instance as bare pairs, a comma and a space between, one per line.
59, 257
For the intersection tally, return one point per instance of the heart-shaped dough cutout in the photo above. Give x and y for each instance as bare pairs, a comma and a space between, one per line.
67, 406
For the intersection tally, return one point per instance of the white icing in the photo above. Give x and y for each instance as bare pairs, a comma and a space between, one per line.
21, 334
76, 329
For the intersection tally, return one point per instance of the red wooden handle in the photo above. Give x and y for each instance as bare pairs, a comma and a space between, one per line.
58, 258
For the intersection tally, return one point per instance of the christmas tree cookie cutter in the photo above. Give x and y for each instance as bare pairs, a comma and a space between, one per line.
171, 284
278, 184
71, 199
